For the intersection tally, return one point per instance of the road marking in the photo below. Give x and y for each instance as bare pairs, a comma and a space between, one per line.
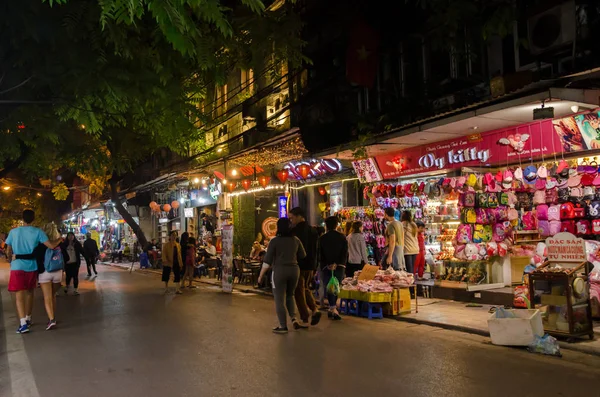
21, 377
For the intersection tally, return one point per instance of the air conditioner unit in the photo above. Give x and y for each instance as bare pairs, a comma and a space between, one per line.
552, 28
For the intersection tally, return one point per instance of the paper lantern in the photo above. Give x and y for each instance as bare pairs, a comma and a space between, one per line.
175, 204
264, 180
323, 207
246, 183
156, 208
153, 204
303, 170
283, 176
322, 191
166, 208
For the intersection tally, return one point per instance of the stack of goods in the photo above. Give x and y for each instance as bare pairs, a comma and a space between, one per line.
408, 197
373, 228
384, 281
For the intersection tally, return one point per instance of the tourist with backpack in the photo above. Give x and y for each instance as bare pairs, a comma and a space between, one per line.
50, 269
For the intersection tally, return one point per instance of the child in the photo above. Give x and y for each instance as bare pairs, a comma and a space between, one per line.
190, 262
420, 260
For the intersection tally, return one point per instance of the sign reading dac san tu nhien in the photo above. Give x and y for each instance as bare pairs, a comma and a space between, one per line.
566, 247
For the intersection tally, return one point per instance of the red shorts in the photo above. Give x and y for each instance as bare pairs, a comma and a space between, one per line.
21, 280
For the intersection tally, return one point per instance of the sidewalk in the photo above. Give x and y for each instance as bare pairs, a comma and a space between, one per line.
204, 280
459, 317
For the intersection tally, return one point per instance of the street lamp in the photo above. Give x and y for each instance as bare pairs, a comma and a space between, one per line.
6, 188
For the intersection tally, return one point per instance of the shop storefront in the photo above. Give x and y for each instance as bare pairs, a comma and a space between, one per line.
488, 199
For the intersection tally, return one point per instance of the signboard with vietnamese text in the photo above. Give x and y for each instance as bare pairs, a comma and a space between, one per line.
188, 212
366, 170
566, 247
507, 145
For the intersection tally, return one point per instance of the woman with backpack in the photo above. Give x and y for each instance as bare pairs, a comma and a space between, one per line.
50, 269
72, 252
189, 260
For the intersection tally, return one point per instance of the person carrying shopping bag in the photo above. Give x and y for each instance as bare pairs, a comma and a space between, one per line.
333, 255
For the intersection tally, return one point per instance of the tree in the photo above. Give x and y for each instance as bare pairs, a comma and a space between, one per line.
100, 86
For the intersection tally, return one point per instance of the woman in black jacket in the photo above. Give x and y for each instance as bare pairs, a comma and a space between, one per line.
72, 253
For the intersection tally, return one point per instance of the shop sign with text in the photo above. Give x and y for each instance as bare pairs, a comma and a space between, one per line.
565, 247
317, 168
505, 146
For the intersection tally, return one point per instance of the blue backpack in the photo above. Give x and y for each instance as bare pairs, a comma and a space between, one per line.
53, 261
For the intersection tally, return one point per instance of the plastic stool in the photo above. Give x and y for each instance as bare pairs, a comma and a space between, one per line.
344, 304
371, 310
353, 307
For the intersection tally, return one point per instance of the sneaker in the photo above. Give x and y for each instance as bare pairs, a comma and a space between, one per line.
29, 323
23, 329
51, 324
335, 316
280, 330
298, 325
192, 287
75, 292
316, 317
66, 291
178, 292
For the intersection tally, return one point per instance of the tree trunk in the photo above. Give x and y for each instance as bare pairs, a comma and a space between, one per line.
127, 217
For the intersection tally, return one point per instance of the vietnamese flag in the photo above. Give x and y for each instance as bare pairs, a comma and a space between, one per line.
362, 59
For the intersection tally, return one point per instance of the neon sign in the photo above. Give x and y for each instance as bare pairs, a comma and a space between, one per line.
454, 157
317, 167
282, 205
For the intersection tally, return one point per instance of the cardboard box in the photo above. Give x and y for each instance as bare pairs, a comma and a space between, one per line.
404, 300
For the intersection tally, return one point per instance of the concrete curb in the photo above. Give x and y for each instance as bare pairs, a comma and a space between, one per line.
594, 351
241, 288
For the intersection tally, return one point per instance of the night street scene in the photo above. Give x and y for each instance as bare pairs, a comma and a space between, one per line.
299, 198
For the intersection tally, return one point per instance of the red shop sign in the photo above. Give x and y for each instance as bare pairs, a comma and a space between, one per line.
505, 146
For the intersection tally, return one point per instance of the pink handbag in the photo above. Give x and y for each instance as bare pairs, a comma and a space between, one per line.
542, 212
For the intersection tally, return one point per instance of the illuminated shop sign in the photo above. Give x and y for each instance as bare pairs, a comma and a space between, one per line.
282, 204
317, 168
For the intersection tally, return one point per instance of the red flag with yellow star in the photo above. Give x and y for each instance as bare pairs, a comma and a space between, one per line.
362, 58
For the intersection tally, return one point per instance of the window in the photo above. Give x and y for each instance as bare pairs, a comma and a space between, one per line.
247, 84
220, 100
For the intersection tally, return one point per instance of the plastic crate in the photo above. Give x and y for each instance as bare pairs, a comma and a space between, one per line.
377, 297
345, 294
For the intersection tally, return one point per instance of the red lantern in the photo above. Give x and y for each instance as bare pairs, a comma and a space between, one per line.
166, 208
283, 176
322, 191
246, 183
264, 180
153, 204
231, 186
303, 170
175, 204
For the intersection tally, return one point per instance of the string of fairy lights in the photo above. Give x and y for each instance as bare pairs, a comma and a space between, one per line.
272, 155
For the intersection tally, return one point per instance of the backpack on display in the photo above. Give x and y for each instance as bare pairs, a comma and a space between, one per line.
554, 213
576, 192
539, 197
482, 200
464, 234
563, 194
567, 211
596, 226
481, 216
529, 221
501, 231
503, 198
53, 260
513, 214
469, 199
544, 228
493, 215
583, 227
567, 226
594, 209
502, 214
542, 212
554, 227
523, 200
492, 200
579, 211
551, 196
469, 215
482, 233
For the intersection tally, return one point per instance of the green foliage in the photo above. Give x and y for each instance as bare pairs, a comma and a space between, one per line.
244, 222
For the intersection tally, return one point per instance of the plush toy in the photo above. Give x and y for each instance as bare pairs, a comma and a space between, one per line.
459, 251
482, 251
492, 248
472, 252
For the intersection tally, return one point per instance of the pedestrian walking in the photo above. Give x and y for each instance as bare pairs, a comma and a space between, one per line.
50, 270
20, 245
283, 254
333, 254
184, 243
172, 262
305, 300
72, 252
411, 244
394, 233
90, 254
357, 249
189, 261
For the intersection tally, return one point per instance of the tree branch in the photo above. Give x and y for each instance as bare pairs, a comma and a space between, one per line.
17, 86
14, 164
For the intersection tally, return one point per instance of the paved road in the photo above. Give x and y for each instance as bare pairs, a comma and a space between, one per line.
122, 337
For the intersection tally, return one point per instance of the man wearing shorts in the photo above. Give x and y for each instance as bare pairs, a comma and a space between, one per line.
23, 267
172, 262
